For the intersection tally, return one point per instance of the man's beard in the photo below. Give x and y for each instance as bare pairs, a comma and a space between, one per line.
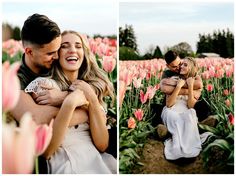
43, 69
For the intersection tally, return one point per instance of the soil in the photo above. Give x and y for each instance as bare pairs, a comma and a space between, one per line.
154, 162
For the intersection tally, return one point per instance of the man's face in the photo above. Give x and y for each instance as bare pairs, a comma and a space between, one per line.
42, 58
175, 65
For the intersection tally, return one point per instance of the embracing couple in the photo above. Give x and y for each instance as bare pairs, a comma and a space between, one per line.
182, 87
60, 80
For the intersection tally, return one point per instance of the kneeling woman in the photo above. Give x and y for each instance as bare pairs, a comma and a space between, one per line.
180, 117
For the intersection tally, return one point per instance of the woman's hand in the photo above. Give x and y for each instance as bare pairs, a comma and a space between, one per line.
85, 87
76, 99
190, 82
180, 83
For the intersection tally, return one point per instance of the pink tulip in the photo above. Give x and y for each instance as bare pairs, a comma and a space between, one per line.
226, 92
151, 91
131, 123
143, 97
126, 76
138, 114
10, 85
108, 63
12, 47
205, 75
209, 87
157, 86
43, 137
148, 76
231, 118
137, 82
229, 73
18, 149
122, 90
227, 103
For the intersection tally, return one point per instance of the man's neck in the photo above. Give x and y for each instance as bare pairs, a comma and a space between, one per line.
31, 66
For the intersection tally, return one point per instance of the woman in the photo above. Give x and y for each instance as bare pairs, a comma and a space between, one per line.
77, 149
180, 117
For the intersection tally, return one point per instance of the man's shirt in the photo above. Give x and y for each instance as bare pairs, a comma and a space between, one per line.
26, 75
168, 73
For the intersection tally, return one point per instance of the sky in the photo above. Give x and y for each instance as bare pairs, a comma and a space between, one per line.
169, 23
88, 16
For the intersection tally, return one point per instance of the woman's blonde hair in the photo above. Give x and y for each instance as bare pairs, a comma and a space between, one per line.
89, 71
192, 67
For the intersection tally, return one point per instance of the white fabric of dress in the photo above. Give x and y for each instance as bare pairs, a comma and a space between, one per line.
77, 153
182, 123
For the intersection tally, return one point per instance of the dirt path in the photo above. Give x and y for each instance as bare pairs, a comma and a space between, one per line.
155, 162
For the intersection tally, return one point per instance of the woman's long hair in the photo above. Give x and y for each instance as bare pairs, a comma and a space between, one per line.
192, 67
89, 71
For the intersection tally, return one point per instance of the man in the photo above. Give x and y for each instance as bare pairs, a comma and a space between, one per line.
173, 63
41, 38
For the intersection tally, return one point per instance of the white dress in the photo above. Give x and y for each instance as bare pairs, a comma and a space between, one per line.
182, 122
77, 153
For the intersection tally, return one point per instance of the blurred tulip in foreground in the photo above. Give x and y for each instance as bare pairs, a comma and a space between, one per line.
10, 85
18, 149
43, 137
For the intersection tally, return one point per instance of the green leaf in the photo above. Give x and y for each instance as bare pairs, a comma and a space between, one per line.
140, 164
210, 129
230, 136
223, 144
128, 144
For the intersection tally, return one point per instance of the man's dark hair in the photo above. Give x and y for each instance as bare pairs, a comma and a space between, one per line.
170, 56
39, 29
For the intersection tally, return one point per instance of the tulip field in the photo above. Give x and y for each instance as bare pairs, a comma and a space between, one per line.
30, 137
139, 88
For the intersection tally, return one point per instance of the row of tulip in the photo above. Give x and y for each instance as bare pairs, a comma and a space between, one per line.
139, 87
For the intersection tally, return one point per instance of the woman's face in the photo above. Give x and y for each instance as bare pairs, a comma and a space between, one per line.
184, 68
71, 53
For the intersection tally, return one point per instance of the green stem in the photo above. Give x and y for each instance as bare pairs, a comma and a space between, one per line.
36, 165
4, 117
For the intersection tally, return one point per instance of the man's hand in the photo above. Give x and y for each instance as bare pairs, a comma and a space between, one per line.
51, 96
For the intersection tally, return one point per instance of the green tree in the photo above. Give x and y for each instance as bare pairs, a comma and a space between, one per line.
127, 37
183, 49
157, 53
16, 33
126, 53
220, 42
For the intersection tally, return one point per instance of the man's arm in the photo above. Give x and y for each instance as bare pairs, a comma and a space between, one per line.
167, 85
41, 114
44, 113
197, 83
